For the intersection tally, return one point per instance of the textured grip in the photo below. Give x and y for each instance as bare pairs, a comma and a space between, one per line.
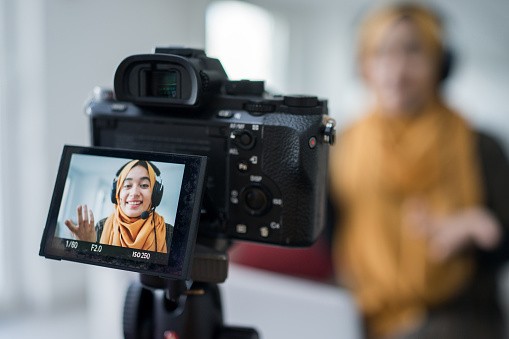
300, 173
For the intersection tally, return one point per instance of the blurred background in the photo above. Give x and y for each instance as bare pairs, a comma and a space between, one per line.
53, 52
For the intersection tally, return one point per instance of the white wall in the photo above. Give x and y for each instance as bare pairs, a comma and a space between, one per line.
56, 52
322, 56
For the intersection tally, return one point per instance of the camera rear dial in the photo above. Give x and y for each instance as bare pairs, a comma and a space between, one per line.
256, 200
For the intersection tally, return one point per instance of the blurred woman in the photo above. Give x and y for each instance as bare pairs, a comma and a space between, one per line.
423, 199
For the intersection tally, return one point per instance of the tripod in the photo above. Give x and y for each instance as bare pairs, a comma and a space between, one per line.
166, 309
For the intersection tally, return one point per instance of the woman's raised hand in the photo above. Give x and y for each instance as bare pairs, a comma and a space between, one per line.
85, 229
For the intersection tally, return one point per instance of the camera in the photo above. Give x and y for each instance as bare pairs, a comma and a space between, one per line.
267, 154
220, 160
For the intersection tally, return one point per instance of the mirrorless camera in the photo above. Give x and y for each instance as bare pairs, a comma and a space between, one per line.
230, 161
267, 154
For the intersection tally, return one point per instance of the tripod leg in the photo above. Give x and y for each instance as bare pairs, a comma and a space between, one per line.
138, 320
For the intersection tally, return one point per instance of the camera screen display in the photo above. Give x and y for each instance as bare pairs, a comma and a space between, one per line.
131, 210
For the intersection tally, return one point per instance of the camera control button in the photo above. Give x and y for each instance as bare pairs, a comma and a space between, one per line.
256, 200
225, 114
241, 228
118, 107
264, 232
243, 166
244, 139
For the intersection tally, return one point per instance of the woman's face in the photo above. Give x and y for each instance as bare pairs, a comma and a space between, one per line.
401, 71
135, 193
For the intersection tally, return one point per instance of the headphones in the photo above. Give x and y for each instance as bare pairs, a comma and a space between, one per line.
447, 64
157, 191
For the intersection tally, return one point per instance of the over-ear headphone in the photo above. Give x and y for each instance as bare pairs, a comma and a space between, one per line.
447, 63
157, 191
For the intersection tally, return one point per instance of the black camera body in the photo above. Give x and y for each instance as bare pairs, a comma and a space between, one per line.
267, 154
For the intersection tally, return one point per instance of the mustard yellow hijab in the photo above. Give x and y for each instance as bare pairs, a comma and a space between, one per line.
382, 163
122, 230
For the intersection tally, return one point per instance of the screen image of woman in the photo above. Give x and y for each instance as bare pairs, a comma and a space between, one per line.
134, 222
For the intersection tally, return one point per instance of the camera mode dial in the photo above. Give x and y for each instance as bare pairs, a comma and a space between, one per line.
259, 108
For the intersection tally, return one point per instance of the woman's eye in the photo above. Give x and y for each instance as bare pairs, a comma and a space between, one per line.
127, 186
144, 186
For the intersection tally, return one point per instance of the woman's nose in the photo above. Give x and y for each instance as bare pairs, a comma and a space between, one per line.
135, 190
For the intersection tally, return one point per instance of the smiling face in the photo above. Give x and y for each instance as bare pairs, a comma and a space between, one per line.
135, 194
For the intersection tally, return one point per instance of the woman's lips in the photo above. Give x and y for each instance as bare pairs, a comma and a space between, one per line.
133, 204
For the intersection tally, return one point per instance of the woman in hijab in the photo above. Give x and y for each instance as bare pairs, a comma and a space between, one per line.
422, 198
134, 222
